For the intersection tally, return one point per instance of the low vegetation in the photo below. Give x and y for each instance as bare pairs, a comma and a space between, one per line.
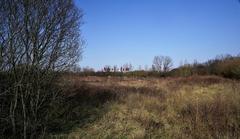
115, 107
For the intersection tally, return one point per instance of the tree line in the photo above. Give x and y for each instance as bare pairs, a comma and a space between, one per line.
162, 66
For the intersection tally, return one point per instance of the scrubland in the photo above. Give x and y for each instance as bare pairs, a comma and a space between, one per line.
122, 107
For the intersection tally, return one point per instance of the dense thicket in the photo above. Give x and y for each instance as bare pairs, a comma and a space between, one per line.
37, 39
224, 65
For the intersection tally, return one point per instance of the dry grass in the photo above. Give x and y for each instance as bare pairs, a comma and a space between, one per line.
194, 107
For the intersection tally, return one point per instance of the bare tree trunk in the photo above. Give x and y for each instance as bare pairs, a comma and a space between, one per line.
24, 116
13, 108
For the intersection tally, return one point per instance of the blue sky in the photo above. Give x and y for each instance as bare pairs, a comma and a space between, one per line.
134, 31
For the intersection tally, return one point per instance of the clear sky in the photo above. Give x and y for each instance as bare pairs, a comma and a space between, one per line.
134, 31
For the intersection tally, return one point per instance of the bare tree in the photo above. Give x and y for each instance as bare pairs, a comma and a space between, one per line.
115, 68
158, 63
37, 37
107, 68
127, 67
153, 68
162, 63
130, 66
167, 63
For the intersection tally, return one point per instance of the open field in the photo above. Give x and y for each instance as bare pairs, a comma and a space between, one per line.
120, 107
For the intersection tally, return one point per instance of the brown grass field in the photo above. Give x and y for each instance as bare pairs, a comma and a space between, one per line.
198, 107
